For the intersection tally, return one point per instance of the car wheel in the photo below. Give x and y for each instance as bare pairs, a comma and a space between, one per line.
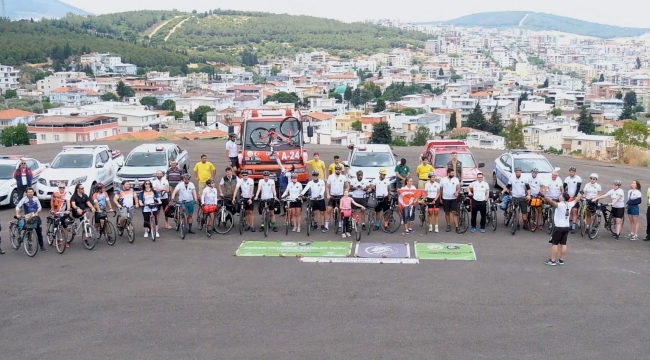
14, 198
495, 183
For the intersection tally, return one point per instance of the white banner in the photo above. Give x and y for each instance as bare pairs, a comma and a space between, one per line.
353, 260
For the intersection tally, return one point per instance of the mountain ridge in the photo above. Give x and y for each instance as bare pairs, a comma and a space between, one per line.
39, 9
539, 21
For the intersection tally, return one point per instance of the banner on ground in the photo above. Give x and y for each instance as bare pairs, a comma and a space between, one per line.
290, 248
444, 251
377, 250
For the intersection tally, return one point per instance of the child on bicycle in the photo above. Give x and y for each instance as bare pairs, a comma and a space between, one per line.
346, 212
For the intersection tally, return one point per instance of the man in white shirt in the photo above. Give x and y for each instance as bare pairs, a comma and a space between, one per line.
266, 187
337, 183
161, 185
232, 152
479, 189
360, 187
316, 187
450, 189
618, 204
536, 184
245, 187
432, 189
572, 185
520, 192
186, 193
562, 227
381, 186
292, 193
555, 187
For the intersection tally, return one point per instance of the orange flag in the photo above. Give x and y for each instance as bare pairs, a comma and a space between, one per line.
409, 196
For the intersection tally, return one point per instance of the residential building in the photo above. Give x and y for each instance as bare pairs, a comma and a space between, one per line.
13, 117
66, 79
74, 96
125, 69
546, 136
344, 122
465, 106
79, 128
135, 120
505, 108
241, 90
8, 77
217, 102
591, 146
484, 140
247, 101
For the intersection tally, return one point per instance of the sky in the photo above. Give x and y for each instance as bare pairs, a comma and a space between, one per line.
633, 14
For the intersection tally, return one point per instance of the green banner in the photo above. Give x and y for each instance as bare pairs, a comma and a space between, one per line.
296, 249
443, 251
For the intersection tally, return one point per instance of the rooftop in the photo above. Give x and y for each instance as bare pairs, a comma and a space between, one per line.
11, 114
65, 120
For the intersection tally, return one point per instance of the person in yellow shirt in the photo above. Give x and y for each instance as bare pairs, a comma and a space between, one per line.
423, 171
204, 170
337, 160
317, 165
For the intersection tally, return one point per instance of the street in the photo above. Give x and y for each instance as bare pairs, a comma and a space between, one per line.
192, 299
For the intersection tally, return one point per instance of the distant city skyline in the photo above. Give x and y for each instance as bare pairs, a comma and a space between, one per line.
405, 10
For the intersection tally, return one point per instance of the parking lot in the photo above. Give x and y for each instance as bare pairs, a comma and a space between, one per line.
192, 299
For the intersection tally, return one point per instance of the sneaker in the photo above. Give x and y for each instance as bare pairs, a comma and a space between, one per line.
146, 234
293, 229
168, 226
297, 229
348, 234
363, 226
157, 235
482, 230
634, 238
43, 249
275, 229
629, 235
2, 252
647, 238
448, 228
472, 229
252, 229
560, 262
324, 229
430, 228
550, 262
436, 229
343, 236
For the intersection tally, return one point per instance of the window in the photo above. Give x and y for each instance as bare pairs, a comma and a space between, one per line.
129, 129
94, 136
123, 118
105, 133
599, 143
104, 156
56, 137
32, 165
98, 159
43, 137
579, 142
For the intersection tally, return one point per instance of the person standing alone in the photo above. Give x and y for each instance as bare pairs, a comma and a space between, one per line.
24, 178
479, 189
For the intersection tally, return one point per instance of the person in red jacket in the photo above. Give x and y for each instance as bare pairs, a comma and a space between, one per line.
24, 178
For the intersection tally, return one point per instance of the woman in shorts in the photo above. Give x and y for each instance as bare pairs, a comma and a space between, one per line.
209, 199
408, 213
149, 200
634, 197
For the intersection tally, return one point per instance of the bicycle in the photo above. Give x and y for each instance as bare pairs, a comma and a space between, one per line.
336, 213
221, 223
309, 217
354, 225
371, 202
535, 215
602, 211
106, 228
152, 219
180, 218
23, 232
128, 225
464, 208
548, 214
422, 205
55, 231
582, 217
266, 217
289, 130
491, 215
391, 217
88, 235
242, 215
512, 215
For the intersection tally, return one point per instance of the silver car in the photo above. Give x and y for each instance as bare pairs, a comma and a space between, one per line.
370, 158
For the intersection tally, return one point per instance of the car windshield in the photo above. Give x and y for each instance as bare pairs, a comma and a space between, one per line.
72, 161
370, 159
255, 128
527, 165
141, 159
442, 160
7, 172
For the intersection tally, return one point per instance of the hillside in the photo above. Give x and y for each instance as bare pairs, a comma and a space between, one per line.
543, 22
37, 9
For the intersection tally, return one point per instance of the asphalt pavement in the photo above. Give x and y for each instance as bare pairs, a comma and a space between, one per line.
192, 299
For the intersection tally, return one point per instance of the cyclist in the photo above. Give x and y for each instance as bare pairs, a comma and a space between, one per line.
149, 199
60, 202
479, 191
161, 186
591, 190
267, 188
381, 187
317, 196
360, 188
125, 200
292, 193
450, 189
246, 187
432, 189
561, 232
186, 193
29, 204
572, 185
618, 205
555, 187
101, 201
520, 191
227, 187
209, 199
80, 202
346, 204
232, 153
337, 183
536, 185
332, 167
285, 176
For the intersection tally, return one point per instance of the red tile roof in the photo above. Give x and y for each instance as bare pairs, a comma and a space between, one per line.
11, 114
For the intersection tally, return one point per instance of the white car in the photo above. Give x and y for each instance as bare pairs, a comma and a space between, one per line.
145, 160
504, 166
80, 164
370, 158
8, 164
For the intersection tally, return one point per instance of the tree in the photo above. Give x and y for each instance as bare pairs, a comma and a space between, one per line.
630, 99
422, 134
455, 77
639, 109
495, 125
380, 105
347, 95
627, 114
357, 126
522, 97
544, 85
452, 121
169, 105
149, 101
514, 137
283, 97
356, 98
15, 135
248, 58
441, 72
556, 112
601, 78
175, 114
124, 90
380, 75
476, 120
381, 133
619, 96
338, 97
638, 62
274, 70
200, 115
109, 96
10, 94
586, 122
632, 133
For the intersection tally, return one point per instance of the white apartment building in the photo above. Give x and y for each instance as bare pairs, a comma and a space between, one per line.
219, 102
135, 120
8, 77
464, 105
505, 108
483, 140
547, 136
66, 79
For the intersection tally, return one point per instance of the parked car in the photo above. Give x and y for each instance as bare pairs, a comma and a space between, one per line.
8, 164
145, 160
527, 160
439, 154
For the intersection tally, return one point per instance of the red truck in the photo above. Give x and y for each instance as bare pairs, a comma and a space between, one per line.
439, 154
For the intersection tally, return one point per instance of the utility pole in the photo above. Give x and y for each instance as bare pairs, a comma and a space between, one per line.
4, 14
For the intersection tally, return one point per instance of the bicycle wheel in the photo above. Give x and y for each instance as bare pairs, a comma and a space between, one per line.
223, 221
89, 236
287, 222
533, 220
391, 221
260, 138
493, 219
109, 233
356, 231
337, 216
463, 221
506, 217
594, 227
130, 233
369, 220
423, 218
152, 227
183, 228
242, 220
30, 243
265, 221
120, 231
208, 231
177, 219
582, 218
14, 237
59, 240
200, 219
308, 221
514, 220
50, 232
290, 127
550, 226
612, 223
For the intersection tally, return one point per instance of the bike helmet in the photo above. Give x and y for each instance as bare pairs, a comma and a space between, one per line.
187, 176
382, 172
209, 182
232, 135
617, 182
432, 174
572, 168
517, 168
338, 167
266, 173
315, 173
294, 176
594, 175
535, 170
99, 186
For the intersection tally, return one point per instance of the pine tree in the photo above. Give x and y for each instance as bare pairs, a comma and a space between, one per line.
380, 105
441, 72
638, 62
586, 122
347, 95
601, 78
452, 121
381, 133
476, 120
495, 126
514, 138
